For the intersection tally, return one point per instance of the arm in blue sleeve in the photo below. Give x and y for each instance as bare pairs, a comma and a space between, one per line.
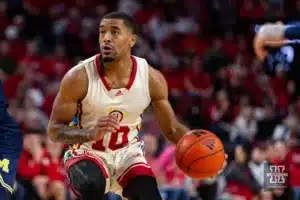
292, 31
3, 113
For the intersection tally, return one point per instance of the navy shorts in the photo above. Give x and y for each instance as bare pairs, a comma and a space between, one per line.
8, 171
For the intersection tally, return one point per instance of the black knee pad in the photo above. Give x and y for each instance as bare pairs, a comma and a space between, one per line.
142, 188
88, 179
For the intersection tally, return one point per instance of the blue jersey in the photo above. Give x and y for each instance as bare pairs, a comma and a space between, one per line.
3, 100
11, 146
292, 32
11, 140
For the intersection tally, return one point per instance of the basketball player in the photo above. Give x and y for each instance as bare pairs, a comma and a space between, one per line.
108, 93
11, 146
274, 35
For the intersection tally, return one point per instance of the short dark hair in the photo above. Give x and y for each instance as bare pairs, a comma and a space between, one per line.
128, 20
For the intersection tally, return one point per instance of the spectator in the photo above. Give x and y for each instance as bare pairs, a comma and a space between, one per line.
214, 58
288, 128
201, 89
55, 66
174, 178
53, 168
280, 151
267, 121
29, 167
151, 148
7, 63
220, 116
244, 102
50, 94
161, 27
240, 181
207, 189
35, 122
43, 167
266, 195
278, 156
129, 7
279, 86
220, 110
257, 164
246, 126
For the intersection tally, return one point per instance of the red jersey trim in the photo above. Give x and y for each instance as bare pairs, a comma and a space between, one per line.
101, 73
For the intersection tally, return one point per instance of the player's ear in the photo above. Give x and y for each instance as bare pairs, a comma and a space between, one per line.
133, 40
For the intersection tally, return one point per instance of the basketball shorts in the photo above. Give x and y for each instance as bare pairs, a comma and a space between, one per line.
8, 171
118, 166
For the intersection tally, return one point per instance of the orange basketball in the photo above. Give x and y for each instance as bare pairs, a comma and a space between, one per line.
200, 154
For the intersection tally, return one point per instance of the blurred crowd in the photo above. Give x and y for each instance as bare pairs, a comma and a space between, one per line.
203, 47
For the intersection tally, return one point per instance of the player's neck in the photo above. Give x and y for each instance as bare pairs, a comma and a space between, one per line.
118, 67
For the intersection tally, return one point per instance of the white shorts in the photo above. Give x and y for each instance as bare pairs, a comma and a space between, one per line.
118, 166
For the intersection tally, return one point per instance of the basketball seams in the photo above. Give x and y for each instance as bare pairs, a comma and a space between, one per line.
195, 143
191, 170
191, 147
208, 155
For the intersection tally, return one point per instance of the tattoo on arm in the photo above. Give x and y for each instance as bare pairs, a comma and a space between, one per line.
71, 135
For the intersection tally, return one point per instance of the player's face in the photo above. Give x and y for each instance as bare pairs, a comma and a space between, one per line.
116, 40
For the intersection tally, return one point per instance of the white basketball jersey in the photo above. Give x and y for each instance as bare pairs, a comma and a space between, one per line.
126, 104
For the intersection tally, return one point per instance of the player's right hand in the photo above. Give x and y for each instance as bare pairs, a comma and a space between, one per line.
103, 126
269, 35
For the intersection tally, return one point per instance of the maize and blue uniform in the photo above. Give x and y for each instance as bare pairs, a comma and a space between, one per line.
11, 146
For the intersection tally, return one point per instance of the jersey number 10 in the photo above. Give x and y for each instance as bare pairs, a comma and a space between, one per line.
117, 140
